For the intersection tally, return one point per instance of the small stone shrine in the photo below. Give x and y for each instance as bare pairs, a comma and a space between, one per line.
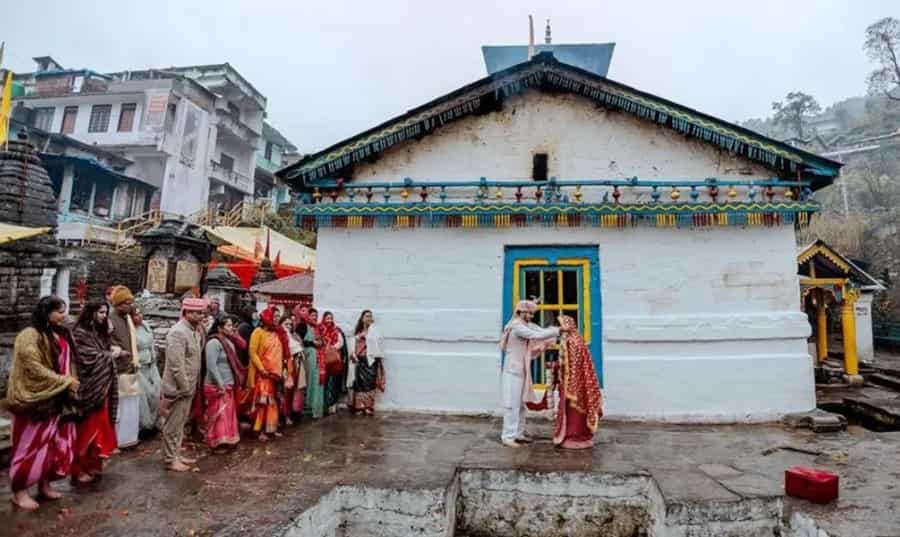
176, 254
222, 284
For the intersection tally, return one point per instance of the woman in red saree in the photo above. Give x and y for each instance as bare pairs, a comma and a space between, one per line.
99, 395
268, 348
580, 400
334, 343
223, 373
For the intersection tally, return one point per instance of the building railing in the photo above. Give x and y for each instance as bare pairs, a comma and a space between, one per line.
231, 177
244, 212
618, 203
136, 224
232, 121
628, 190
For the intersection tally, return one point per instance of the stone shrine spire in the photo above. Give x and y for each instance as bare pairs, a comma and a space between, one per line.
547, 39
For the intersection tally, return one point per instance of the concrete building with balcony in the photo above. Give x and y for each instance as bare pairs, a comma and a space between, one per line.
125, 148
192, 132
239, 115
161, 123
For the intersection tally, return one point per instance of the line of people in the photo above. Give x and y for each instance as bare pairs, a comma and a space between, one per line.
265, 370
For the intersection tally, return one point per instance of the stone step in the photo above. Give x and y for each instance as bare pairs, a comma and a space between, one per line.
884, 413
886, 380
888, 371
818, 420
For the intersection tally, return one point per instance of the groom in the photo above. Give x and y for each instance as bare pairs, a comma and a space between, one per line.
522, 340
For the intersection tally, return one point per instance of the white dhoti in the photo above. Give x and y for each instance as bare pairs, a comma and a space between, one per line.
513, 406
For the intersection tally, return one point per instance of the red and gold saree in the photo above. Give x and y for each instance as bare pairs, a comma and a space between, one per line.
580, 400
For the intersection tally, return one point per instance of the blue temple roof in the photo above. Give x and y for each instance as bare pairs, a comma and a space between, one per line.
594, 58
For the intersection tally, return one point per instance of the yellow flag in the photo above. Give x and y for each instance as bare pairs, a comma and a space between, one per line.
5, 105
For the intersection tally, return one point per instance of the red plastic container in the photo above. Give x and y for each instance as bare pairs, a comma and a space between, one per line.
817, 486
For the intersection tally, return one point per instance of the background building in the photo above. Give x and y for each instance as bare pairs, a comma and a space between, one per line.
191, 132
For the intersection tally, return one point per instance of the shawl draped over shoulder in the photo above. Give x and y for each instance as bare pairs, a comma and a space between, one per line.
96, 371
35, 386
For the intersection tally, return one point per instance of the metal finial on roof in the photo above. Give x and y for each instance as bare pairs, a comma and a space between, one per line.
547, 38
530, 37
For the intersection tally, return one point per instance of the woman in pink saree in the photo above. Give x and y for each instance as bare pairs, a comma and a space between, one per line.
580, 400
41, 392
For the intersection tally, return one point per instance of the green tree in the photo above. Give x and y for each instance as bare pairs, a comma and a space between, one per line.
882, 45
794, 111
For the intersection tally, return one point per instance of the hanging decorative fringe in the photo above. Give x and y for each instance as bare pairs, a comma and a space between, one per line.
506, 215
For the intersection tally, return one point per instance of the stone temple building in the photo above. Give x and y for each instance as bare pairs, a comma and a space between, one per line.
667, 233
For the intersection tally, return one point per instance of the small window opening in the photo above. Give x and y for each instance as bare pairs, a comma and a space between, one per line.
539, 167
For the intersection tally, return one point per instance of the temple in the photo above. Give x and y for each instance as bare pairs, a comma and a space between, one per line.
829, 280
667, 233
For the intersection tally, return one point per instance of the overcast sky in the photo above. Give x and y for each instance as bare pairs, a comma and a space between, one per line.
333, 68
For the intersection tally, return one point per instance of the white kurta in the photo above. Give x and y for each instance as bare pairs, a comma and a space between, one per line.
521, 342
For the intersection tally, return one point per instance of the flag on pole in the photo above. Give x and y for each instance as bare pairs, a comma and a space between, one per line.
5, 105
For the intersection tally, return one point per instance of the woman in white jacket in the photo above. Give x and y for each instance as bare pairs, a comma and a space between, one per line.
367, 353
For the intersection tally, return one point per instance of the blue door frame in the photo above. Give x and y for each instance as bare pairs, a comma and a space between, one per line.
583, 258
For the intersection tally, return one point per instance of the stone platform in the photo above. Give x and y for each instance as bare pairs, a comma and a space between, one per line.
265, 489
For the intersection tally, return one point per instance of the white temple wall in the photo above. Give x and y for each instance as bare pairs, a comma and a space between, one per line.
582, 141
698, 324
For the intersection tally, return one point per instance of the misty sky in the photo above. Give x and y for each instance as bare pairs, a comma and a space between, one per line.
333, 68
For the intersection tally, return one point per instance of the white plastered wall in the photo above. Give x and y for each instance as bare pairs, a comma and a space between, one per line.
698, 325
582, 141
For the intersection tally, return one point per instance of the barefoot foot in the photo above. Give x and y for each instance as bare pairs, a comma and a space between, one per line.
23, 501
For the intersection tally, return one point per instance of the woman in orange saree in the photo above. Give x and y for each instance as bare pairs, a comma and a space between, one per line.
264, 374
580, 400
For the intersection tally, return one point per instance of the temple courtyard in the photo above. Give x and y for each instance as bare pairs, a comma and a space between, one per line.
404, 474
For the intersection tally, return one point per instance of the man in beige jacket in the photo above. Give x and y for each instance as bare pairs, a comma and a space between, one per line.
184, 345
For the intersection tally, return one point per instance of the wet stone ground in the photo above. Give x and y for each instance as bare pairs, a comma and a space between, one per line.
259, 488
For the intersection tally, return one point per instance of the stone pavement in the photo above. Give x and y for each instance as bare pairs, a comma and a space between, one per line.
259, 488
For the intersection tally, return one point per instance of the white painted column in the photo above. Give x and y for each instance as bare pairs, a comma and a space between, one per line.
62, 284
114, 202
47, 281
65, 188
865, 343
91, 202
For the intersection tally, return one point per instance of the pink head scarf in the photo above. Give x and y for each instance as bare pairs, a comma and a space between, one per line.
193, 304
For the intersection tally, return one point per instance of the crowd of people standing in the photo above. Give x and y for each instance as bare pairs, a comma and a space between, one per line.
222, 375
